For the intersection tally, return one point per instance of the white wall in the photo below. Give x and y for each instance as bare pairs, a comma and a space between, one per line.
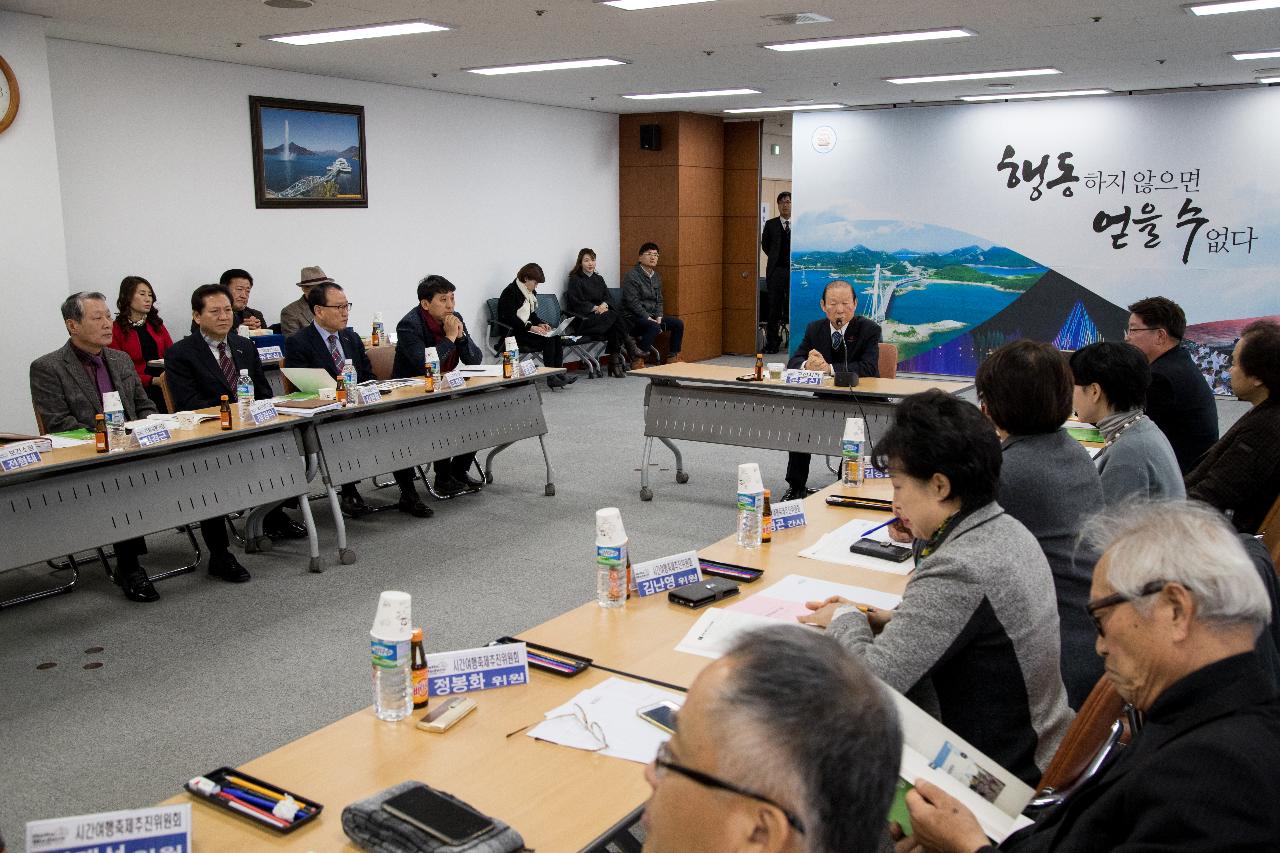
157, 181
33, 258
776, 132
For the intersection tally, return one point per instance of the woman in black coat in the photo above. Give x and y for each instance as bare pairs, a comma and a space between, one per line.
587, 298
517, 310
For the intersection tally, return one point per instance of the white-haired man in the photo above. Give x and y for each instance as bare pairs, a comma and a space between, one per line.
1178, 607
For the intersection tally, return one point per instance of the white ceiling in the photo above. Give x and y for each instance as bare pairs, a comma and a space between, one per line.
1136, 45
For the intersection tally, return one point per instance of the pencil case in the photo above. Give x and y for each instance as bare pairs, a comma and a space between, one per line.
249, 797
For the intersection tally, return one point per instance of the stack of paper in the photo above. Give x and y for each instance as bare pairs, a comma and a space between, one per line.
785, 600
833, 547
612, 705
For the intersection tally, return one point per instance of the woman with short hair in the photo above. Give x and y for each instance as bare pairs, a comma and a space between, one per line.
518, 311
139, 331
1110, 390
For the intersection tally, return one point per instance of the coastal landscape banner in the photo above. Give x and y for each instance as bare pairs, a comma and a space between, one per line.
962, 228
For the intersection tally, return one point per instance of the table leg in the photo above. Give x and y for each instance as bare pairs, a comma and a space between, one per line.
488, 460
682, 476
646, 493
550, 488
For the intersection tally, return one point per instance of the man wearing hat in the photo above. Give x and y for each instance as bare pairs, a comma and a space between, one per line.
297, 314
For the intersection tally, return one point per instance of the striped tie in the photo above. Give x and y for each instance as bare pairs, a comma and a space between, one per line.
227, 366
335, 353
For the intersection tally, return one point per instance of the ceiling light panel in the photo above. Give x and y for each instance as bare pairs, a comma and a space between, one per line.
370, 31
792, 109
640, 5
707, 93
882, 38
1025, 96
1257, 54
1232, 6
975, 75
553, 65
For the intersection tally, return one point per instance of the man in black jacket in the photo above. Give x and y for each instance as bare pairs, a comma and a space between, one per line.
775, 242
1178, 607
434, 323
1179, 400
327, 343
842, 345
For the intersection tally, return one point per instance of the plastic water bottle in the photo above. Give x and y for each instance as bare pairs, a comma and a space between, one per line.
113, 414
511, 347
611, 558
390, 644
432, 356
852, 452
244, 396
750, 505
349, 380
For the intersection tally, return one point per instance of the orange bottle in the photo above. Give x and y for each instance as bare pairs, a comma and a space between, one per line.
224, 412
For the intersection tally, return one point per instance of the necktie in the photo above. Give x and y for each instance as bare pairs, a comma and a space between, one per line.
786, 225
225, 363
837, 340
334, 352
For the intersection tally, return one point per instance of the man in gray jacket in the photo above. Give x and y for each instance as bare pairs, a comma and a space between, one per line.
643, 307
297, 315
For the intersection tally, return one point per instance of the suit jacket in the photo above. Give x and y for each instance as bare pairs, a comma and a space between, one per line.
860, 350
126, 339
1193, 779
65, 398
641, 295
509, 302
295, 315
776, 243
196, 382
586, 292
1181, 403
413, 337
308, 349
1241, 473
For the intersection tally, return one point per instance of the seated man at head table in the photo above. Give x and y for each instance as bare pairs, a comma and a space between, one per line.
328, 343
1178, 608
203, 366
787, 743
840, 345
66, 389
434, 323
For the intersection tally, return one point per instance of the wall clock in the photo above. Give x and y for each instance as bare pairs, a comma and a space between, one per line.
8, 96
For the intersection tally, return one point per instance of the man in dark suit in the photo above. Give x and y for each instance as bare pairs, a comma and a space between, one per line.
1178, 606
843, 345
1179, 400
240, 283
775, 241
434, 323
202, 367
327, 343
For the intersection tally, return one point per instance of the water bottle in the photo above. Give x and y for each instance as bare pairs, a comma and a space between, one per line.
750, 505
432, 356
349, 380
244, 396
611, 558
389, 642
379, 331
512, 348
852, 448
113, 413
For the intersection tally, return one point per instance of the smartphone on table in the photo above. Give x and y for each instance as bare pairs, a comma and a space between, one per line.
450, 821
661, 714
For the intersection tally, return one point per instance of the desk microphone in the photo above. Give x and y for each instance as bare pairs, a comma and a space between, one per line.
845, 378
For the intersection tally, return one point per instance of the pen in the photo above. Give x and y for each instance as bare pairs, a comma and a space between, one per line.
879, 526
257, 789
262, 802
252, 811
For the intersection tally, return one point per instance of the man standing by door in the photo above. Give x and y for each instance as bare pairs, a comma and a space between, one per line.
775, 241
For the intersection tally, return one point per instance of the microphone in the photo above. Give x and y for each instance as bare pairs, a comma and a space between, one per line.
850, 378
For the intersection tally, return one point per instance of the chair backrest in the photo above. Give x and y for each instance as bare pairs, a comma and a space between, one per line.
615, 297
549, 308
1089, 733
39, 421
495, 330
1270, 531
888, 361
382, 359
159, 382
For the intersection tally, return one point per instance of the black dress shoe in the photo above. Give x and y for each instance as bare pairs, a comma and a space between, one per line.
353, 505
226, 567
415, 507
795, 494
138, 588
447, 487
570, 378
471, 484
286, 529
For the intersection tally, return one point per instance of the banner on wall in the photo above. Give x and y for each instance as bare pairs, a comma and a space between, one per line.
962, 228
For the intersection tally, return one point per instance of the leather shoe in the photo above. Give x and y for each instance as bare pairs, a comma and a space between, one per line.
415, 507
286, 529
570, 378
471, 483
637, 364
447, 487
137, 587
226, 567
796, 493
353, 505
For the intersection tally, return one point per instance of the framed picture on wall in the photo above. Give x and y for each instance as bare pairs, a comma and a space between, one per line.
308, 154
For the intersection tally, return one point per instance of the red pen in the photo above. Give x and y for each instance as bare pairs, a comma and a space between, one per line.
253, 811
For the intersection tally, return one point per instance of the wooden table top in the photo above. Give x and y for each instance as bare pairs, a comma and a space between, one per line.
720, 374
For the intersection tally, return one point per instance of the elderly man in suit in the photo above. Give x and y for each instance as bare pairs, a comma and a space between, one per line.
843, 345
327, 343
66, 389
1178, 607
434, 323
775, 242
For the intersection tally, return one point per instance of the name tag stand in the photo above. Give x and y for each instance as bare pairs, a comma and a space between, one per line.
666, 573
485, 668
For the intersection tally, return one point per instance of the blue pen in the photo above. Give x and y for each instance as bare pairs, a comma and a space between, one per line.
878, 527
255, 800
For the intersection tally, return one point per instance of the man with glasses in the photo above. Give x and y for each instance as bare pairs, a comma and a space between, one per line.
1179, 400
787, 743
1178, 607
327, 342
643, 307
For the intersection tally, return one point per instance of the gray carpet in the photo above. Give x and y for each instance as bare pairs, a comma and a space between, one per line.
217, 674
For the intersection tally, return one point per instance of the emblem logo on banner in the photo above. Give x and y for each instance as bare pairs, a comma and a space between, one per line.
823, 139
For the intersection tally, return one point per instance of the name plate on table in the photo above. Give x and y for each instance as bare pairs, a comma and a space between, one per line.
161, 829
788, 514
20, 455
655, 576
469, 670
870, 472
261, 411
155, 432
454, 380
803, 377
272, 353
527, 367
367, 394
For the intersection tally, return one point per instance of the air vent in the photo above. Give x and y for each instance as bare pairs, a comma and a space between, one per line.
793, 18
289, 4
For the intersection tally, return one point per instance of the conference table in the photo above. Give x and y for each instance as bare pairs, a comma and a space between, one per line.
557, 798
717, 404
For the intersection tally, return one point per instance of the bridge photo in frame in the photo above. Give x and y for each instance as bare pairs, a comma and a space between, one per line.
308, 154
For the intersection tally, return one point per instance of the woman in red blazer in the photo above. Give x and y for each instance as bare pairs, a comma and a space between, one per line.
139, 331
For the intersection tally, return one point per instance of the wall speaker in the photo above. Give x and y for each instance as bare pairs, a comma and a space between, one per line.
650, 137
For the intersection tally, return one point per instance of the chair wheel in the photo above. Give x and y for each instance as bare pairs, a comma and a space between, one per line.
346, 556
682, 476
646, 494
550, 490
315, 565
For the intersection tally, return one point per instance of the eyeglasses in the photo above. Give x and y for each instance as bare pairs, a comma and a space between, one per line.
1094, 607
663, 762
346, 306
593, 729
1132, 330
